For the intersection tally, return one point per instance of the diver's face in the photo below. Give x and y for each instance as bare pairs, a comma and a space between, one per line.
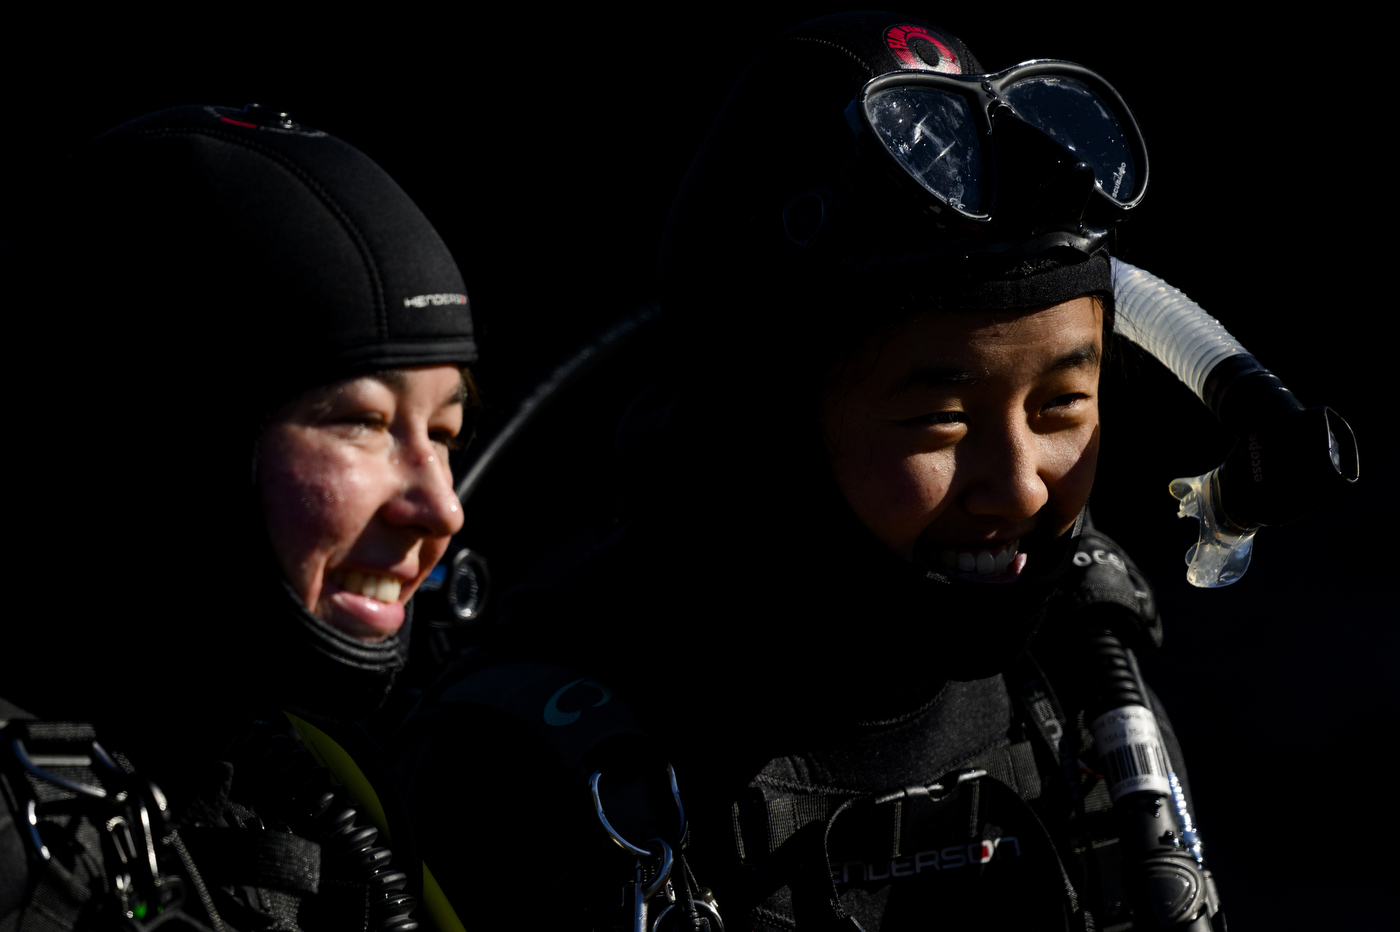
357, 493
971, 435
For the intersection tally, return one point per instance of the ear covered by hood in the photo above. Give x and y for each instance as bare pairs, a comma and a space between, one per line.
181, 277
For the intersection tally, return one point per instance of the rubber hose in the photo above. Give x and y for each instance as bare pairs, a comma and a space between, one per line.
290, 784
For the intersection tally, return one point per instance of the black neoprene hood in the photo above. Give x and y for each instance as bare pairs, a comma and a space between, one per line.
186, 274
322, 262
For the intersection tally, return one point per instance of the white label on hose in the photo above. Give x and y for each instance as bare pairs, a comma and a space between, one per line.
1131, 748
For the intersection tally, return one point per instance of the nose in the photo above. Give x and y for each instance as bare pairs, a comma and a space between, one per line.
1006, 474
426, 499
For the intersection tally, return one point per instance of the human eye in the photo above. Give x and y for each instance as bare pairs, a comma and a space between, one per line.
450, 428
1069, 404
1064, 401
447, 437
938, 417
357, 424
365, 420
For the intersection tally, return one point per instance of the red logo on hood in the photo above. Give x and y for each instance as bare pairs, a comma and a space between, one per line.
900, 38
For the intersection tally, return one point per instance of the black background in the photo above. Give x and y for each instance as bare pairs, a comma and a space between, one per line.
546, 147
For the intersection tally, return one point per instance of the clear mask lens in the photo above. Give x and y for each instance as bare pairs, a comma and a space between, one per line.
1080, 120
933, 136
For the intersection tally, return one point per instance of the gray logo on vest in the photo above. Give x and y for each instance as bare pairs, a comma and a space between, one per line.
553, 715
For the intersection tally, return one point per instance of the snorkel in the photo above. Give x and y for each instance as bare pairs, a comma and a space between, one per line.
1287, 461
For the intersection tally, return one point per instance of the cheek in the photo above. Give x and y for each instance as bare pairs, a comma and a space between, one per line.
1076, 461
895, 493
316, 500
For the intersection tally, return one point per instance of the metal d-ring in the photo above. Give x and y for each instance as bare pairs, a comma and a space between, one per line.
676, 794
663, 872
598, 809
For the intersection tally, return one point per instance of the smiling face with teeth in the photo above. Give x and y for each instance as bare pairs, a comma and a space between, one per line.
358, 495
966, 436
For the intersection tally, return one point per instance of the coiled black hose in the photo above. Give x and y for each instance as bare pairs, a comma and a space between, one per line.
1113, 675
289, 785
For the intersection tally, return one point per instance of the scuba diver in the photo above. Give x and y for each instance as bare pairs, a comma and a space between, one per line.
856, 656
254, 345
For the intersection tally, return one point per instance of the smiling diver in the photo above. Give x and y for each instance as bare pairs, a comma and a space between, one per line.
262, 341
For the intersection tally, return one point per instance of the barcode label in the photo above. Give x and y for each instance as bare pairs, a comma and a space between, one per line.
1136, 760
1130, 745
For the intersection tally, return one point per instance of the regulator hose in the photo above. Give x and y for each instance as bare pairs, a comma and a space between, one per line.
292, 787
1163, 869
1288, 460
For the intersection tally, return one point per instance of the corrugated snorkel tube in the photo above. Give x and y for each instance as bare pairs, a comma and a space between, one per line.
1288, 459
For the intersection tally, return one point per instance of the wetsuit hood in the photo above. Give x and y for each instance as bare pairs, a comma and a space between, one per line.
183, 276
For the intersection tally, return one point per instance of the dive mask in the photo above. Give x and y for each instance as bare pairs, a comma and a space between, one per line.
989, 161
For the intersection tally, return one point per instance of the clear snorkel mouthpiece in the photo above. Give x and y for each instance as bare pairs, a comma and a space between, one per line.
1221, 555
1288, 459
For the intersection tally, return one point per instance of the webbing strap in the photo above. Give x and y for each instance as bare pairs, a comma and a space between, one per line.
248, 857
1012, 766
785, 813
57, 900
62, 885
1086, 832
1067, 885
1042, 707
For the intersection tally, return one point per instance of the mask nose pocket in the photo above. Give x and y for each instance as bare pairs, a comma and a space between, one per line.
1040, 182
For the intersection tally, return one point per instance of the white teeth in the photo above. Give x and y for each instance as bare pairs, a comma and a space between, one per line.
982, 562
369, 585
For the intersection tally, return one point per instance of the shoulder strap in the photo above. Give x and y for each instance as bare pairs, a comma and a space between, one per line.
1103, 576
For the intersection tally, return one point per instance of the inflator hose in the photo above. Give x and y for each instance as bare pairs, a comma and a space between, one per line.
1163, 871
